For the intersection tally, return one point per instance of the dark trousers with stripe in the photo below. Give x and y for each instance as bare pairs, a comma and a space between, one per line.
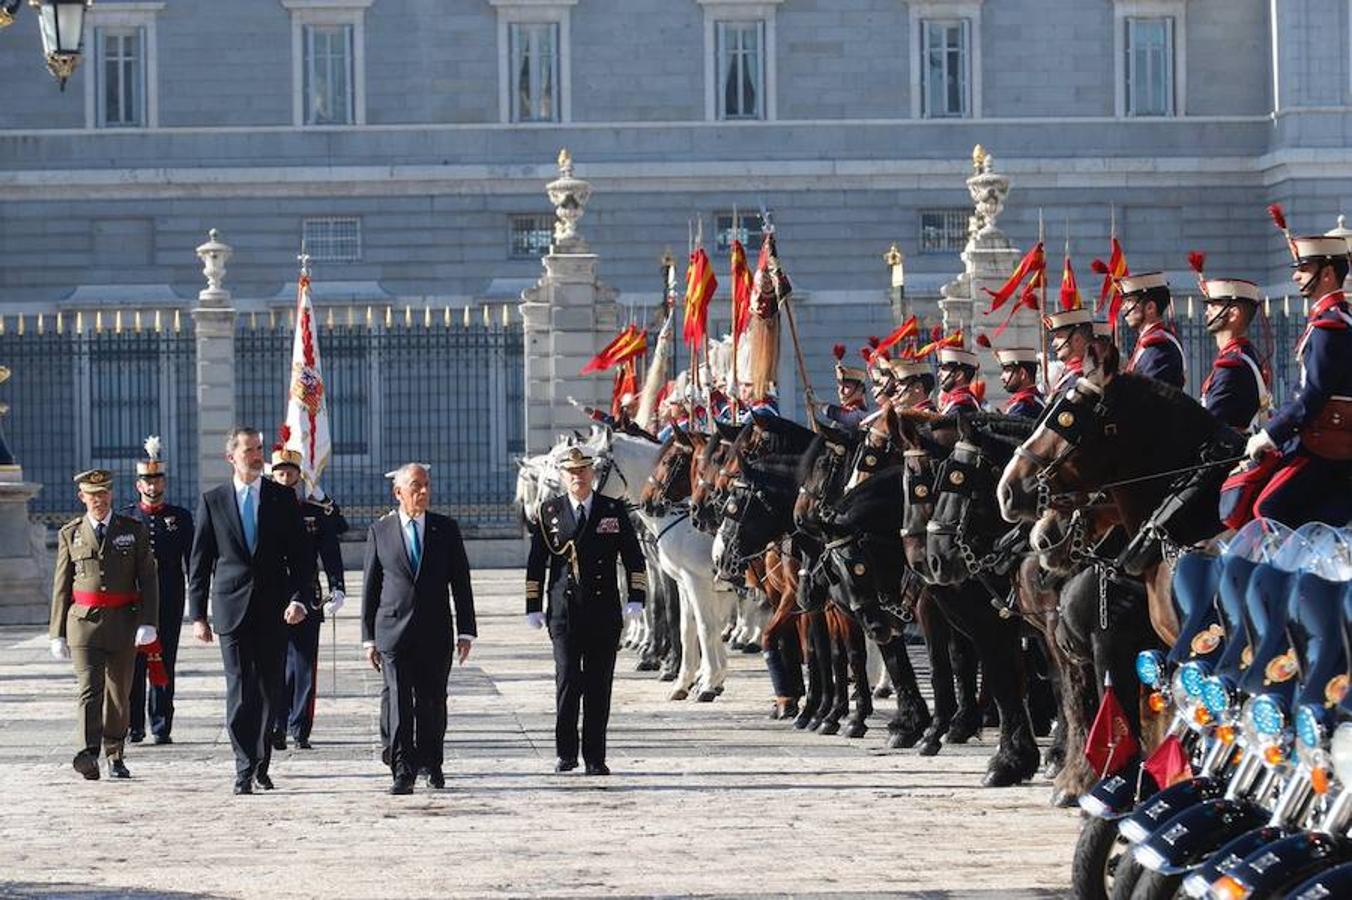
294, 705
1307, 488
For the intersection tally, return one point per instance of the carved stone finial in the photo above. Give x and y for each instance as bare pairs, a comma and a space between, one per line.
979, 160
569, 195
565, 163
214, 254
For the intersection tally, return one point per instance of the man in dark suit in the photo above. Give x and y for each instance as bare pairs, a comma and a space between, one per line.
576, 543
249, 552
415, 564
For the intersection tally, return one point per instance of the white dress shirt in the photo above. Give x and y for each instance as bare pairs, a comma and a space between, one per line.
585, 504
106, 521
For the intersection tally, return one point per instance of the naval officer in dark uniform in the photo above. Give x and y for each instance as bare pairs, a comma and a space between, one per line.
293, 709
572, 562
170, 529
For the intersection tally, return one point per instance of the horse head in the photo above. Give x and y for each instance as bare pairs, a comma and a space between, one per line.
670, 479
821, 475
964, 526
1076, 421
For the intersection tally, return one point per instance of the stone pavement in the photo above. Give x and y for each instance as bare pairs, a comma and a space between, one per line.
706, 799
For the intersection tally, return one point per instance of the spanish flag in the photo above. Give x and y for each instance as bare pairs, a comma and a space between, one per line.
934, 346
700, 285
629, 343
1035, 260
909, 329
1070, 290
741, 289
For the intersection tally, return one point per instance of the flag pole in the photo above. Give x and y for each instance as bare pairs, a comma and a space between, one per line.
809, 399
734, 386
1042, 311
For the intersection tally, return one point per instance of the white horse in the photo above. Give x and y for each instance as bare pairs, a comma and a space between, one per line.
686, 555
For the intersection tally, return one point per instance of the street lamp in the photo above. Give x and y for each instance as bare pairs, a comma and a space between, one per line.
62, 25
896, 266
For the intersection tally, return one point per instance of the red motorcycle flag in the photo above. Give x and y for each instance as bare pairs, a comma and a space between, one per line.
1109, 745
700, 285
1169, 764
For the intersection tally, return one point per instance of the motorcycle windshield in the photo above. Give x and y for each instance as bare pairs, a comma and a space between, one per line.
1258, 541
1325, 551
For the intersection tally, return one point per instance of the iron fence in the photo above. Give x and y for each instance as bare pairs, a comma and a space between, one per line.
441, 387
86, 390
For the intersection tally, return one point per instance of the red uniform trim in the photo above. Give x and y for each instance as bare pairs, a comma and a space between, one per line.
105, 598
1284, 474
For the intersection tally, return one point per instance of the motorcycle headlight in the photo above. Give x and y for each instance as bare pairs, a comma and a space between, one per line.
1340, 749
1150, 668
1268, 718
1309, 732
1192, 675
1216, 696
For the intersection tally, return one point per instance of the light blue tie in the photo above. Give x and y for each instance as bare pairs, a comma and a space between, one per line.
414, 550
250, 520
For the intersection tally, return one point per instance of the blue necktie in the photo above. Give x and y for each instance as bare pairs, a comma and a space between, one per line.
250, 520
414, 551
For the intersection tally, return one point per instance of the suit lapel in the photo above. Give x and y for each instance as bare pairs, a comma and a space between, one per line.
396, 531
429, 532
227, 506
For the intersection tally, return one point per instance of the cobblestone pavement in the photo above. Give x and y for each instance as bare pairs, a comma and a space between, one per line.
706, 799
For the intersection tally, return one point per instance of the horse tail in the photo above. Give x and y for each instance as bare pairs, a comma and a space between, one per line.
655, 378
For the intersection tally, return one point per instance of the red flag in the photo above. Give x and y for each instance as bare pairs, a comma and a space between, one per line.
700, 285
1027, 300
1169, 764
1034, 260
934, 346
1112, 271
909, 329
154, 654
741, 289
629, 343
1109, 744
626, 382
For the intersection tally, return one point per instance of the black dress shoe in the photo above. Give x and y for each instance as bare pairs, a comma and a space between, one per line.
598, 769
136, 737
87, 764
163, 739
403, 784
435, 778
302, 743
565, 765
264, 780
244, 786
117, 768
279, 740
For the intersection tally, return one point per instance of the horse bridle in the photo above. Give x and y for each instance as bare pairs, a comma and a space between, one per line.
663, 485
1072, 420
919, 485
960, 479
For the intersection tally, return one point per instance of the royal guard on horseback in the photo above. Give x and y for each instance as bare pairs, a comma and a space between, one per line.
1313, 429
1018, 374
957, 380
1235, 390
764, 404
1069, 332
850, 391
913, 381
1158, 354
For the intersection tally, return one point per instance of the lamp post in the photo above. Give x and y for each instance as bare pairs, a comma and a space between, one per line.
61, 23
896, 267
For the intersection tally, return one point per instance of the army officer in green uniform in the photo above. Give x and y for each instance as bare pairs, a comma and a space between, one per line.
105, 603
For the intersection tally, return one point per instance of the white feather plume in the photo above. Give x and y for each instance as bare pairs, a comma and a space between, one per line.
152, 446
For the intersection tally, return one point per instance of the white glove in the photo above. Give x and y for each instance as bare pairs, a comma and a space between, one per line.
336, 601
535, 619
60, 649
633, 609
1259, 444
145, 634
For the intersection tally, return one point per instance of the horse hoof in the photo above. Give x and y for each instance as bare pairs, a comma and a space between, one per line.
646, 665
668, 676
706, 696
1065, 799
719, 690
678, 694
828, 727
790, 710
856, 730
802, 721
751, 648
930, 746
894, 741
736, 645
882, 692
1002, 773
966, 726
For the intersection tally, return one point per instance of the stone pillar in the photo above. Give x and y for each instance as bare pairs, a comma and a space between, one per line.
988, 259
567, 316
25, 564
215, 320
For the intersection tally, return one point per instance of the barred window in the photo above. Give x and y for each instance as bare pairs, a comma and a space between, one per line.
749, 231
529, 235
332, 238
1150, 66
943, 230
945, 50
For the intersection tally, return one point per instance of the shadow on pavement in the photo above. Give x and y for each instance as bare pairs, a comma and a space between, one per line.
22, 890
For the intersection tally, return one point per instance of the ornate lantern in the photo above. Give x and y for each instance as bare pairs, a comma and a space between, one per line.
62, 25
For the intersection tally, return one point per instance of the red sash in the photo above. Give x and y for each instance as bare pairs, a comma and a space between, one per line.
105, 598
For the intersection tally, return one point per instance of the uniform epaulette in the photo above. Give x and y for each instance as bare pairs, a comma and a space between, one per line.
72, 524
1230, 362
1154, 339
1332, 324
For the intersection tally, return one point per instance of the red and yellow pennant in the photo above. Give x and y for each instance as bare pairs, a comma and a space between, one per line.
1034, 261
630, 342
1113, 271
741, 289
1070, 289
908, 329
700, 285
934, 346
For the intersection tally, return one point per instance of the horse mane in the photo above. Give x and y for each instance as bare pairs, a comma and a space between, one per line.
783, 435
727, 431
808, 459
872, 506
1182, 424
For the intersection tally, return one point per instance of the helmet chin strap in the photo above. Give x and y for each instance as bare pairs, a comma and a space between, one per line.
1225, 308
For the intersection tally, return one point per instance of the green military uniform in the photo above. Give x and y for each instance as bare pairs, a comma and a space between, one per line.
101, 594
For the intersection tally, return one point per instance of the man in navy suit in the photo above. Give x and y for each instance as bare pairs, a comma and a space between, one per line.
249, 554
415, 564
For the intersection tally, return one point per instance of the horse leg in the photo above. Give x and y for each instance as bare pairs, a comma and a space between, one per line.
878, 674
838, 704
858, 654
934, 625
808, 625
966, 659
757, 614
912, 717
820, 636
672, 626
690, 648
1041, 689
1079, 698
707, 604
